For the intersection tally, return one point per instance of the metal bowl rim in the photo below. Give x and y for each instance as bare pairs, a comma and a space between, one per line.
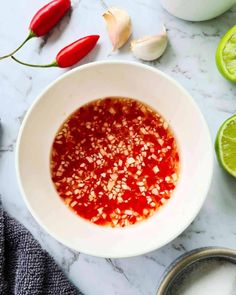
189, 258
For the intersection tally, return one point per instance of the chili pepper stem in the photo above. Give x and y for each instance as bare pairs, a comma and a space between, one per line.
53, 64
30, 36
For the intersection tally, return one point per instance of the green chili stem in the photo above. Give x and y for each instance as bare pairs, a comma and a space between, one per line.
53, 64
31, 35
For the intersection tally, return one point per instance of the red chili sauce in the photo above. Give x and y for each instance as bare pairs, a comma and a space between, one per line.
115, 161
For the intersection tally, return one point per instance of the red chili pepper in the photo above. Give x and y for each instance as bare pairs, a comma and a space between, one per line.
48, 16
69, 55
74, 52
44, 20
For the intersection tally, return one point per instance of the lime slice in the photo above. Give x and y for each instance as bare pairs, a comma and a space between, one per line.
226, 55
225, 145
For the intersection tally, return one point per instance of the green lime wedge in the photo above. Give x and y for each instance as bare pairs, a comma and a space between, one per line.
226, 55
225, 145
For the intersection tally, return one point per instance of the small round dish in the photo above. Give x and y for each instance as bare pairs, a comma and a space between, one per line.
63, 97
180, 267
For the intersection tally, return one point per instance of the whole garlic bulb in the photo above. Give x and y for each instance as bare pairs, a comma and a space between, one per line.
151, 47
118, 25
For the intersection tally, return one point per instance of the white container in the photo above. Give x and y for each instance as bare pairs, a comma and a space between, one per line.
197, 10
80, 86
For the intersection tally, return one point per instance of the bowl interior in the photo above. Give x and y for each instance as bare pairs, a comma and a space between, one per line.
99, 80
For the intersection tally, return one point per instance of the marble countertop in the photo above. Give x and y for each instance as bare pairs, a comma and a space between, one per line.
189, 59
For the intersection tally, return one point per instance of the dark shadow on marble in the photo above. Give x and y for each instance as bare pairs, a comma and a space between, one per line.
230, 182
56, 33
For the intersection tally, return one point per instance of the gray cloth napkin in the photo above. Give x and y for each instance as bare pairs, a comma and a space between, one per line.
25, 268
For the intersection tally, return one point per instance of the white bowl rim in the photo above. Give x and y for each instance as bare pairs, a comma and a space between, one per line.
201, 118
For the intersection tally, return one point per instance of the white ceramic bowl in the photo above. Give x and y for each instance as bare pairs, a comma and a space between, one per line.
65, 95
197, 10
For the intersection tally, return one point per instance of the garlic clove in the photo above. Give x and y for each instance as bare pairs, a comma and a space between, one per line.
151, 47
118, 25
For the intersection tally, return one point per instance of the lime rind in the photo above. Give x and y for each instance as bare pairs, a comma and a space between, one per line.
225, 145
226, 55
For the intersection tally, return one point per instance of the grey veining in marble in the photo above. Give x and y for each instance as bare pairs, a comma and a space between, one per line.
190, 59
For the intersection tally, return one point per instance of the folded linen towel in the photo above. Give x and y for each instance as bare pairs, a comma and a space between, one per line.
25, 268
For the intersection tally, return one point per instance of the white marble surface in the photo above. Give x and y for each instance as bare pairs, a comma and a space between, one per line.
189, 59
